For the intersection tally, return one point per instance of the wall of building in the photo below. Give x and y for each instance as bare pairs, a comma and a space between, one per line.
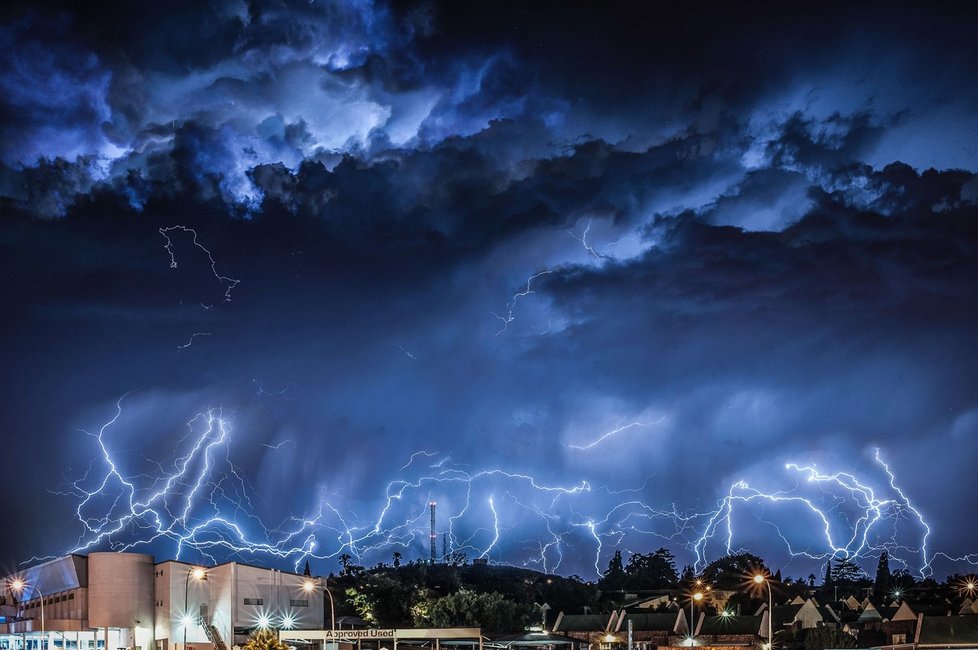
121, 595
179, 598
156, 607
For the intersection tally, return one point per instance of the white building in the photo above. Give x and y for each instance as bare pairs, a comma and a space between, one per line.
123, 601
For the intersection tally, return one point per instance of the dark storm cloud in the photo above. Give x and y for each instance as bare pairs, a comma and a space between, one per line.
725, 259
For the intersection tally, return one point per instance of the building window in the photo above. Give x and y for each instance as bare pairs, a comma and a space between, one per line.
899, 639
299, 603
254, 601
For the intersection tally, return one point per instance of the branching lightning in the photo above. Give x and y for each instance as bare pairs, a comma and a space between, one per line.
583, 240
511, 305
201, 503
849, 515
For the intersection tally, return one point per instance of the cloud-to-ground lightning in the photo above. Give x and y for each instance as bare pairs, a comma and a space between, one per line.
201, 503
849, 513
231, 283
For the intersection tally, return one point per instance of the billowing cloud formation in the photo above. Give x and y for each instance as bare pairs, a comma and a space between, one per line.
652, 254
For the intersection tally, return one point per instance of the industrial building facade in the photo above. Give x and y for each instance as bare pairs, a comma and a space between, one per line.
126, 601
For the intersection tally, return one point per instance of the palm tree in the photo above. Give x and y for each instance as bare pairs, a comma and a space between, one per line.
264, 640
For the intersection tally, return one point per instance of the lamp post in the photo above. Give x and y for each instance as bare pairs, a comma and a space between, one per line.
197, 574
758, 579
308, 587
19, 585
696, 597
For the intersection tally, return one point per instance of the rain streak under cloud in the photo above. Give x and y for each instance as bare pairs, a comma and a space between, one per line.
278, 275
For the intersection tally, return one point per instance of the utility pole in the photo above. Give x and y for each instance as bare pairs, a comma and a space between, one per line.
434, 535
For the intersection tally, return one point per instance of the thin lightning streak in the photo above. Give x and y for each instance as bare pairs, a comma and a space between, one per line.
618, 429
190, 341
168, 246
583, 240
279, 445
427, 454
409, 355
511, 305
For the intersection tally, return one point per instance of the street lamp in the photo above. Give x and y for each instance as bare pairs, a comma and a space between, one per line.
19, 586
197, 574
309, 586
758, 579
697, 597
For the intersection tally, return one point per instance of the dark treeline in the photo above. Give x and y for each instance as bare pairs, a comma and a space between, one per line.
455, 592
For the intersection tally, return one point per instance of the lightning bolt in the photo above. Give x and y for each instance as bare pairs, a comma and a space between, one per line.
409, 355
279, 445
190, 341
201, 503
848, 521
618, 429
583, 240
168, 246
511, 305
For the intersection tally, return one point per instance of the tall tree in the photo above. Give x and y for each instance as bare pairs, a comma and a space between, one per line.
730, 571
847, 573
883, 582
651, 570
614, 576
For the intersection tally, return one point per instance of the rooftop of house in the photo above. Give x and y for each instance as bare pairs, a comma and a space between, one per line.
721, 625
660, 622
581, 623
948, 630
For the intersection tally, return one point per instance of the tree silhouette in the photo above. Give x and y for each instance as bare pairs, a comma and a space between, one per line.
614, 575
883, 582
651, 570
732, 571
847, 573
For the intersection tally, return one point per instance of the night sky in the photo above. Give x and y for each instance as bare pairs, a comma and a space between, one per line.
571, 272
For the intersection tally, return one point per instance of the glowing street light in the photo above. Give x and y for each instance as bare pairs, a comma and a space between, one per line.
17, 585
968, 584
695, 598
758, 579
198, 574
309, 586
